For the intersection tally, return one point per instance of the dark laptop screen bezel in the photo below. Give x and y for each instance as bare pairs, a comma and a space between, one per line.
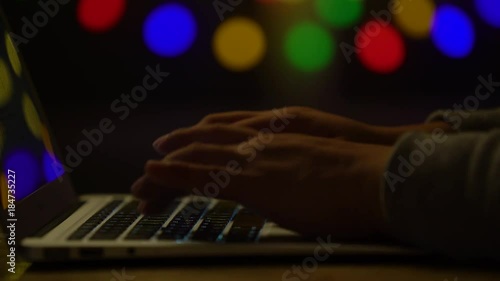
51, 199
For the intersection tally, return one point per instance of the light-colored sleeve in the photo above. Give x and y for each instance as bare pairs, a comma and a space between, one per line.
442, 191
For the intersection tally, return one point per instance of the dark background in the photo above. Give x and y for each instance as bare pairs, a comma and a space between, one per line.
78, 74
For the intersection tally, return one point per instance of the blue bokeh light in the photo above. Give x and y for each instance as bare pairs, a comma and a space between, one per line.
52, 168
170, 30
453, 32
28, 174
489, 11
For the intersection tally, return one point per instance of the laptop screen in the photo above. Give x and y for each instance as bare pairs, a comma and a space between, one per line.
27, 158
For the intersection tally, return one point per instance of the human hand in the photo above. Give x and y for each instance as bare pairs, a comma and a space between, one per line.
309, 121
312, 185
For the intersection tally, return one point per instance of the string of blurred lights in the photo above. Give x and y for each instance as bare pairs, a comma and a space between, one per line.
239, 44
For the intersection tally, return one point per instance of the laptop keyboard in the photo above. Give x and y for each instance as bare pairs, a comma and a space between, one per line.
148, 226
95, 220
118, 223
215, 222
246, 227
184, 225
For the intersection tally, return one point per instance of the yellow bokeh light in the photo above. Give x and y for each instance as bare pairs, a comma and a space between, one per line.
31, 117
239, 44
415, 18
13, 56
46, 140
5, 84
3, 188
2, 138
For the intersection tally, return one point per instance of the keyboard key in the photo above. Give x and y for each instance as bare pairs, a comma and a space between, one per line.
215, 221
149, 225
246, 227
118, 223
95, 220
182, 224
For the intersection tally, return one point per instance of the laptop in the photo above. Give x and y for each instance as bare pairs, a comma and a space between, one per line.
50, 222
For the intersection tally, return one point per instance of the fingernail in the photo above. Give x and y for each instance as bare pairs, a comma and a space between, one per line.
157, 142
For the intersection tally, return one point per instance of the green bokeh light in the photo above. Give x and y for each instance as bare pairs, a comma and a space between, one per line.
340, 13
309, 47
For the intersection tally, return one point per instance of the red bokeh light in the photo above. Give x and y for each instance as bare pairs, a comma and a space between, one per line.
381, 47
100, 15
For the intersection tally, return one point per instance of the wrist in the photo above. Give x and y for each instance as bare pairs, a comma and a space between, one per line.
374, 169
389, 135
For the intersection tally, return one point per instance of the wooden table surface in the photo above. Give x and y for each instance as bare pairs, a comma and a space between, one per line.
337, 270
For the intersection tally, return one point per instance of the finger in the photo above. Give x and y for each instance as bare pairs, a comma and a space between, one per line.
145, 189
228, 117
222, 118
214, 134
276, 125
201, 180
209, 154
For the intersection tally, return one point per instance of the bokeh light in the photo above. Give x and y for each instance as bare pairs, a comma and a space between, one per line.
170, 30
5, 84
340, 13
382, 52
489, 11
100, 15
453, 32
309, 47
3, 189
50, 167
285, 1
28, 173
46, 139
31, 117
279, 1
416, 21
2, 138
239, 44
15, 62
267, 1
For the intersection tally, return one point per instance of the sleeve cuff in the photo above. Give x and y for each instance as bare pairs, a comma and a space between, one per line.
461, 120
428, 201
